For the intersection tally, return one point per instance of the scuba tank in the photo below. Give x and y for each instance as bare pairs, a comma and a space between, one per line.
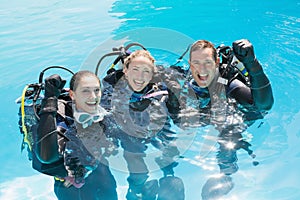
239, 65
30, 102
230, 67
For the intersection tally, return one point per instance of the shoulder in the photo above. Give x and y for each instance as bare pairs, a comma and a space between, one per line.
110, 127
236, 84
240, 92
67, 129
107, 116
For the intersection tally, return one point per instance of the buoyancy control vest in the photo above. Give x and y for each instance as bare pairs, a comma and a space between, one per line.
30, 105
28, 123
140, 115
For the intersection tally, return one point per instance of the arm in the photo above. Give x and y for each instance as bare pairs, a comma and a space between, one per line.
46, 148
173, 106
169, 77
261, 90
108, 84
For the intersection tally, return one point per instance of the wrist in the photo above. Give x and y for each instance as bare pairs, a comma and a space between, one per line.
257, 73
49, 105
254, 68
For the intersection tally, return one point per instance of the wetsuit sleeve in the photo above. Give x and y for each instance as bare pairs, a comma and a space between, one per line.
108, 84
169, 77
46, 144
173, 106
259, 94
107, 90
241, 92
261, 88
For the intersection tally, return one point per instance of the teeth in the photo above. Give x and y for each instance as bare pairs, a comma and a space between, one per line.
139, 82
202, 76
91, 102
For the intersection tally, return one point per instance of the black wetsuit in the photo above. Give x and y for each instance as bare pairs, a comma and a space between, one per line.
55, 155
143, 121
231, 108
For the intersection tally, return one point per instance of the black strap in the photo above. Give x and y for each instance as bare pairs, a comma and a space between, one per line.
181, 57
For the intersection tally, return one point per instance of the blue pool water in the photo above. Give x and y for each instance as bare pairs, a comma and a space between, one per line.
35, 35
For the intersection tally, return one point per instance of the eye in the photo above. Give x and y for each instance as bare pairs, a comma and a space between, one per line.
195, 63
85, 91
134, 68
97, 91
208, 62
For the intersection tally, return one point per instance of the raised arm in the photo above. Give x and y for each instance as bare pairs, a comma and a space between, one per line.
261, 90
169, 77
46, 147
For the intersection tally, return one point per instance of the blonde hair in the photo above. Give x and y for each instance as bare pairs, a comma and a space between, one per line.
138, 53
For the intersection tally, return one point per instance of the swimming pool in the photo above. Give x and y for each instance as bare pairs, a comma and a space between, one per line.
36, 35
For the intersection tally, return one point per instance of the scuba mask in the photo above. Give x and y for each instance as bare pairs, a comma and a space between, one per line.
86, 119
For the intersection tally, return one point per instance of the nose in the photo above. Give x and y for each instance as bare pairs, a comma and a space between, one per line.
140, 75
197, 67
94, 94
200, 65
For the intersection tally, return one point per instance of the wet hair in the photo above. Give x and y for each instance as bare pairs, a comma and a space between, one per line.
202, 44
138, 53
78, 76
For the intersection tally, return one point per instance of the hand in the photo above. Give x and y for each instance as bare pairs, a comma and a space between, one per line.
75, 169
72, 165
174, 86
53, 85
244, 51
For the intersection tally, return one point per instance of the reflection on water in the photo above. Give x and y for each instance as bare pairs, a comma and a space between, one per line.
221, 138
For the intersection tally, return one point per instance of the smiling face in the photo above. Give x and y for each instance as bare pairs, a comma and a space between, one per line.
203, 66
139, 72
86, 94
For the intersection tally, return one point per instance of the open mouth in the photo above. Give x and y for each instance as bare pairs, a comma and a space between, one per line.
92, 103
202, 77
139, 83
91, 106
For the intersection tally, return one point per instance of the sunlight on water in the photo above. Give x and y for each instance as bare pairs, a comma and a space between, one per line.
20, 188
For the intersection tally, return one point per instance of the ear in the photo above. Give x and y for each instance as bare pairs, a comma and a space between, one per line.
125, 71
154, 69
71, 94
190, 65
217, 61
